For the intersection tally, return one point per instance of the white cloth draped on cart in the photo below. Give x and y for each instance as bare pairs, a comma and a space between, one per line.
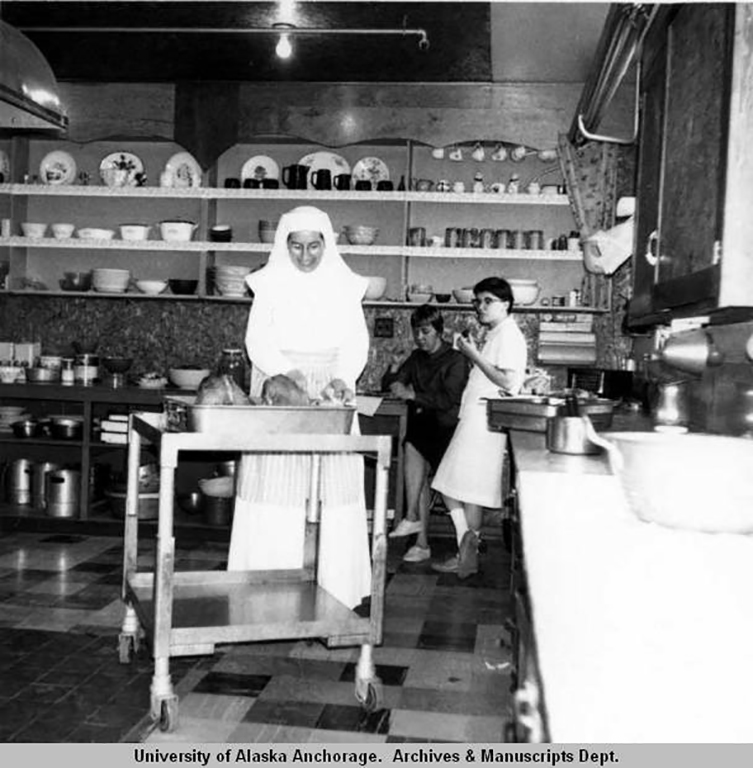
471, 468
312, 322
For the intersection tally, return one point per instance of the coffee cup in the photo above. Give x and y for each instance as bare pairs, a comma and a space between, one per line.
363, 185
417, 236
342, 181
385, 186
221, 233
232, 183
270, 183
252, 183
295, 176
321, 179
437, 153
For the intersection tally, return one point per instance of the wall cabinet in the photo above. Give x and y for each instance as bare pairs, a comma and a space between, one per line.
39, 264
695, 165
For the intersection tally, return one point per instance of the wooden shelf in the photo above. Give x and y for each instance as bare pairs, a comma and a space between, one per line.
200, 246
219, 193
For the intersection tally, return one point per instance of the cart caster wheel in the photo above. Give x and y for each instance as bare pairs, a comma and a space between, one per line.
168, 714
370, 694
126, 647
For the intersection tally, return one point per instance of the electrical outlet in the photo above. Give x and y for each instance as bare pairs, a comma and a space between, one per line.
384, 328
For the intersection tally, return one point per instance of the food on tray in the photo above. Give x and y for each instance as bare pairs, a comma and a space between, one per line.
337, 391
220, 390
282, 390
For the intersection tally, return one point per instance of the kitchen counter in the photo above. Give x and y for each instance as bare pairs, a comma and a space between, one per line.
644, 633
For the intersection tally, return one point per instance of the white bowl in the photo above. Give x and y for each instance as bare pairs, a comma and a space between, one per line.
187, 378
8, 374
33, 229
376, 288
151, 287
62, 231
95, 233
524, 292
134, 231
420, 298
695, 481
463, 295
361, 234
177, 231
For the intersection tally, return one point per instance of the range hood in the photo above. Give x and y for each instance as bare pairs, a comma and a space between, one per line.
28, 90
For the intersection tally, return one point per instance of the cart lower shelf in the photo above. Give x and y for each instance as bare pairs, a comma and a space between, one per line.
232, 607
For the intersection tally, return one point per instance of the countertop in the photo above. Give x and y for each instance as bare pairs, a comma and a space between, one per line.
644, 633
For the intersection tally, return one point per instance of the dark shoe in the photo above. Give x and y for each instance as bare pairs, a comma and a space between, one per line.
447, 566
468, 557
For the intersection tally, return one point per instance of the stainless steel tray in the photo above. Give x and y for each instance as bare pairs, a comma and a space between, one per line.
271, 419
530, 414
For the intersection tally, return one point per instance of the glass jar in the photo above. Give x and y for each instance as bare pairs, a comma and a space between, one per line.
233, 364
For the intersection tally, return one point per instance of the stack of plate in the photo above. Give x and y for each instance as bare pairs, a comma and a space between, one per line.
231, 281
10, 414
110, 280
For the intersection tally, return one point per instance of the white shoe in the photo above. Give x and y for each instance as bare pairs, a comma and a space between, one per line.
417, 554
406, 528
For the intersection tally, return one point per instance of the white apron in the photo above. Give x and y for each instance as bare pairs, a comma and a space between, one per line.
270, 506
471, 468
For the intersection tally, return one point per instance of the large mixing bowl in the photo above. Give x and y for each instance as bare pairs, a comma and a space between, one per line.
695, 481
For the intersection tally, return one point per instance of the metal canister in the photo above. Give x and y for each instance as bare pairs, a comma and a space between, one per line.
39, 482
86, 369
67, 374
488, 238
18, 481
502, 237
471, 237
63, 488
515, 240
534, 239
453, 237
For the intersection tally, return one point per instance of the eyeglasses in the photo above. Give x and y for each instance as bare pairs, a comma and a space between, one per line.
486, 301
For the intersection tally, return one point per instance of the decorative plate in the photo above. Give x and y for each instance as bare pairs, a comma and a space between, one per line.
335, 164
260, 167
185, 170
5, 166
57, 167
371, 169
121, 169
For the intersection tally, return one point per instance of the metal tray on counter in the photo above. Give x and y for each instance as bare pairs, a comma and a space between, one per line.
530, 413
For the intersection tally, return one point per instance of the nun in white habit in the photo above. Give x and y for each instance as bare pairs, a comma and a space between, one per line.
306, 320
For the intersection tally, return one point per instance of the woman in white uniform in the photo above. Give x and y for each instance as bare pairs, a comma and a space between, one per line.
306, 322
470, 474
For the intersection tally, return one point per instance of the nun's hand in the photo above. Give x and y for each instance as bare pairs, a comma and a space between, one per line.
337, 391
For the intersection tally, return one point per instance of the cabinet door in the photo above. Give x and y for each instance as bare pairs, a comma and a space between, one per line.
697, 78
648, 183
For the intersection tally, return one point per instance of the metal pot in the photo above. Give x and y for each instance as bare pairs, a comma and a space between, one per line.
64, 428
39, 473
568, 434
18, 481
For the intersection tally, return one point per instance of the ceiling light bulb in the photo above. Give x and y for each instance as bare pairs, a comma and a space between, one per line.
284, 50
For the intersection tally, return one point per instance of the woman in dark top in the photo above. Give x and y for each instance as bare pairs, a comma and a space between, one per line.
431, 381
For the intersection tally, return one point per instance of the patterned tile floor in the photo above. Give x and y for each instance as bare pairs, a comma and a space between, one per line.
444, 662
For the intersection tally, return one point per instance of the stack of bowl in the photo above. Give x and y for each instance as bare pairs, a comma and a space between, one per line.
9, 414
360, 234
267, 231
230, 280
110, 280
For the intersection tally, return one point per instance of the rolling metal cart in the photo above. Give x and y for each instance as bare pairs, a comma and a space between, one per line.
189, 612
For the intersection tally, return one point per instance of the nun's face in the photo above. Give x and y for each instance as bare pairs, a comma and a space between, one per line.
306, 249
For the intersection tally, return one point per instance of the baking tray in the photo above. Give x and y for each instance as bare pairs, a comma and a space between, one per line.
270, 419
530, 414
